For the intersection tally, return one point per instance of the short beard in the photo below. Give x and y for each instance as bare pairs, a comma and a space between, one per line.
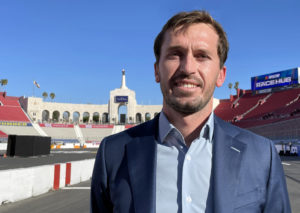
188, 107
185, 108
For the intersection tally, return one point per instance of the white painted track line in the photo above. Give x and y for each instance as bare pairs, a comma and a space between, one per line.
69, 188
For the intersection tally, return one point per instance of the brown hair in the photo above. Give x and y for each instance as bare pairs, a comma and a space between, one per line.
185, 19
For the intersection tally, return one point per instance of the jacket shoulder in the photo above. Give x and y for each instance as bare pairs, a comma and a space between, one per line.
243, 135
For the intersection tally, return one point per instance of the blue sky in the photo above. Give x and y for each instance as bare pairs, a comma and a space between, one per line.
77, 48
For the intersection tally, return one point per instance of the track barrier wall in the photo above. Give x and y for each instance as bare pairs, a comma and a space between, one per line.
19, 184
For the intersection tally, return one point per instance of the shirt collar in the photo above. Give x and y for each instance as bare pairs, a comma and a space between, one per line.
165, 128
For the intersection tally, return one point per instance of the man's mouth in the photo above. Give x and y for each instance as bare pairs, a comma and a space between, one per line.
186, 85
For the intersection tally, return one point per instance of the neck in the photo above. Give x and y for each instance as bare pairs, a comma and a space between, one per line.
189, 125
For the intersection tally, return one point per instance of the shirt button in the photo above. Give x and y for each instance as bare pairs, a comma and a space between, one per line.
188, 157
188, 199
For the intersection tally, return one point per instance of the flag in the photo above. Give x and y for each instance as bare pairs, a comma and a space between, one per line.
36, 84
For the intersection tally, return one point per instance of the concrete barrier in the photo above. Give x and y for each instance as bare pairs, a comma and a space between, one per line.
3, 146
18, 184
6, 193
81, 170
42, 179
87, 167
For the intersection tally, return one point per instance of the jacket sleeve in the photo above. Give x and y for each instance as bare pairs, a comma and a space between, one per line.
277, 200
100, 199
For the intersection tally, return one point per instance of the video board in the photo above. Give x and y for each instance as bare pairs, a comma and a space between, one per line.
276, 79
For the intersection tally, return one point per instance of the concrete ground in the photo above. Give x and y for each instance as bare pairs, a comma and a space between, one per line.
76, 198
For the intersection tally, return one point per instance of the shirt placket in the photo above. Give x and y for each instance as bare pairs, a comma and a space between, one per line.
187, 197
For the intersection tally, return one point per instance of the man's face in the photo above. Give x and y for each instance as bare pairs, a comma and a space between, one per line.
189, 68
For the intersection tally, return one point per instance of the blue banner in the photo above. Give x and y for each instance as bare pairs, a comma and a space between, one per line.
121, 99
276, 79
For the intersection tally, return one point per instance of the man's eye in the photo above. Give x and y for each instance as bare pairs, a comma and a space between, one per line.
202, 56
174, 55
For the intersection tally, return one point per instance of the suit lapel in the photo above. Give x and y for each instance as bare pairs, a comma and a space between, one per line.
227, 156
141, 157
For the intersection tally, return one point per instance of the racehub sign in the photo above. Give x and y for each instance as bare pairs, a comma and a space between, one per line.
276, 79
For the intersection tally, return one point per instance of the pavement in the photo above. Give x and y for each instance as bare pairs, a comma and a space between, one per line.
56, 156
70, 199
76, 198
291, 166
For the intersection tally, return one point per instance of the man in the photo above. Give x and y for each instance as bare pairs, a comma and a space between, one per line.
187, 159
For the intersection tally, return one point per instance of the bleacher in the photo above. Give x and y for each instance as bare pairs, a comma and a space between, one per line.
60, 132
95, 133
13, 120
9, 100
12, 113
18, 130
274, 115
10, 109
277, 101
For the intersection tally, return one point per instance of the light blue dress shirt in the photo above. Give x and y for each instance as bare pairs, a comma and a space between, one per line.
183, 174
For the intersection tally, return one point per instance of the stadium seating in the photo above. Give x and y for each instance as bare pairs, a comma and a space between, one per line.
233, 110
65, 134
10, 109
8, 100
12, 113
18, 130
95, 132
258, 107
278, 100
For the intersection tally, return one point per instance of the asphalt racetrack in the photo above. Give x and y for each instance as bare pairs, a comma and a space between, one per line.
76, 198
56, 156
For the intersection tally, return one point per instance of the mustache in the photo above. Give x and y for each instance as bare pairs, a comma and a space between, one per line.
182, 76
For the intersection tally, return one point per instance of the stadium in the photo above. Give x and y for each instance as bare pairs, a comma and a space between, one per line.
271, 108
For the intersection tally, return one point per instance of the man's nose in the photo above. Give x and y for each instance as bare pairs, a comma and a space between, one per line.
188, 64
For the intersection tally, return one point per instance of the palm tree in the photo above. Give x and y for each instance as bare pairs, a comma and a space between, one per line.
236, 86
230, 87
45, 95
52, 95
3, 82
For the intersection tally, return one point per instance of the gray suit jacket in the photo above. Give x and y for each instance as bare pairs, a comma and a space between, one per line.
247, 174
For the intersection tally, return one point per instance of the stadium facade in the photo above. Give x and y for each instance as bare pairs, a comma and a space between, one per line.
271, 109
40, 111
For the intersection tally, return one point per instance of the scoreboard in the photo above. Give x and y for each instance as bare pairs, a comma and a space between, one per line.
268, 82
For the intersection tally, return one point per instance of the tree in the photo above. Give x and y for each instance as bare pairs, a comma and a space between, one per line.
52, 95
236, 86
3, 82
230, 87
45, 95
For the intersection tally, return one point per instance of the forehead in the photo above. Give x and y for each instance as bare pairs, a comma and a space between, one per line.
196, 34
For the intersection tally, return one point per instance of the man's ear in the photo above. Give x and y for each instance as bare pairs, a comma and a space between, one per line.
156, 72
221, 76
